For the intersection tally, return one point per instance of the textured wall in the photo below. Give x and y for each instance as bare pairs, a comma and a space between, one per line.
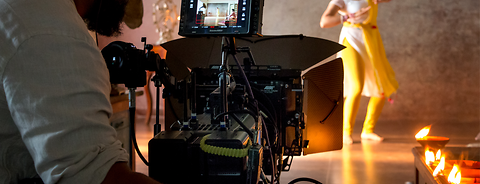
432, 45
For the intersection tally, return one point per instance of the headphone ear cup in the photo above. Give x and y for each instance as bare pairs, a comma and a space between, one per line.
133, 14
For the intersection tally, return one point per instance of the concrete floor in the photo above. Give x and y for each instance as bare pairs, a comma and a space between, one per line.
390, 161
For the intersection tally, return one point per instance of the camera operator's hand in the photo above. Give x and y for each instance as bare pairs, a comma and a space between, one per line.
120, 173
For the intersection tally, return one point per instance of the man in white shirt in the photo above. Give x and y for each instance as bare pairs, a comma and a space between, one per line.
54, 93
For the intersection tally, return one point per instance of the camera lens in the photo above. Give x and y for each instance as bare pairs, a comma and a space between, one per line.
115, 63
114, 55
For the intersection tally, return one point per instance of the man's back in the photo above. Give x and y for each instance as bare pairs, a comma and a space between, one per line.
54, 96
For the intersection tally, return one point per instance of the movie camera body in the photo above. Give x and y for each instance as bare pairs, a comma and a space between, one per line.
234, 123
230, 123
276, 129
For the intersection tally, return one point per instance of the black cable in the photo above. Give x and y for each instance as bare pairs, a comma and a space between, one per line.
273, 144
242, 73
304, 179
266, 111
236, 111
279, 171
171, 107
263, 178
244, 76
270, 103
134, 139
269, 114
249, 132
271, 152
272, 123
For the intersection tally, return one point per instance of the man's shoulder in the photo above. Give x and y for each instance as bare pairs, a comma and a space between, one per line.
23, 19
20, 20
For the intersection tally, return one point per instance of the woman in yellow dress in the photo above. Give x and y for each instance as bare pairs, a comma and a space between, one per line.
367, 70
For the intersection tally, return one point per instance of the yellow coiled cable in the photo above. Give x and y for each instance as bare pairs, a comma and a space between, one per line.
229, 152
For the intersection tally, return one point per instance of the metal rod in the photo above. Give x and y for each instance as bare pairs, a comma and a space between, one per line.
131, 115
223, 82
185, 107
157, 126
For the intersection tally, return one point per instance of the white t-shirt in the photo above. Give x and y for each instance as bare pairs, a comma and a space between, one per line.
352, 6
54, 96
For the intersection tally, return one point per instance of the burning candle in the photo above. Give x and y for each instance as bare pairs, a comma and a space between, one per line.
429, 157
440, 167
438, 156
423, 132
468, 168
434, 142
455, 175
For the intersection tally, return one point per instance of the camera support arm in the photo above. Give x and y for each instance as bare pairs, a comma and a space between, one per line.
228, 48
157, 82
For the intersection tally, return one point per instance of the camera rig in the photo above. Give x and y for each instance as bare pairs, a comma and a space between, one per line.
232, 133
233, 123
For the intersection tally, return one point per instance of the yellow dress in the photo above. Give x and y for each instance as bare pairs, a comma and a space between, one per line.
367, 71
384, 75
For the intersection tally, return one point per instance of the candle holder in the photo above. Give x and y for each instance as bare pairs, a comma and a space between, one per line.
434, 142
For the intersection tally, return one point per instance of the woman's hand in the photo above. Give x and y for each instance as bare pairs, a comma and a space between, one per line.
353, 17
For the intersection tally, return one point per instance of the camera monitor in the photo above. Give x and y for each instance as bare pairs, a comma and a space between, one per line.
221, 17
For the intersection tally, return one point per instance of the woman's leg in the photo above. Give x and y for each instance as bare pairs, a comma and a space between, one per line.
375, 106
354, 69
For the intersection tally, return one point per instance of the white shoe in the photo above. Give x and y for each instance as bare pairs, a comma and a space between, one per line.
347, 139
371, 136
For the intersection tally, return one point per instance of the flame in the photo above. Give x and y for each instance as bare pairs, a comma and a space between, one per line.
423, 132
438, 155
440, 167
429, 157
455, 175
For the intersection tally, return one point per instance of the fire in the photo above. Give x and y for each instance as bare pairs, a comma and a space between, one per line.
423, 132
429, 157
440, 167
438, 155
455, 175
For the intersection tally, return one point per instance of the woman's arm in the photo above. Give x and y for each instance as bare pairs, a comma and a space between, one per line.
330, 17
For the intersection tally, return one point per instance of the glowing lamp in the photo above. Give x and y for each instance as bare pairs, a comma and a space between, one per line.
455, 175
440, 167
429, 157
434, 142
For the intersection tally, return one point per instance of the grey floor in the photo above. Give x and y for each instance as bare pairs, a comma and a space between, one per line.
390, 161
